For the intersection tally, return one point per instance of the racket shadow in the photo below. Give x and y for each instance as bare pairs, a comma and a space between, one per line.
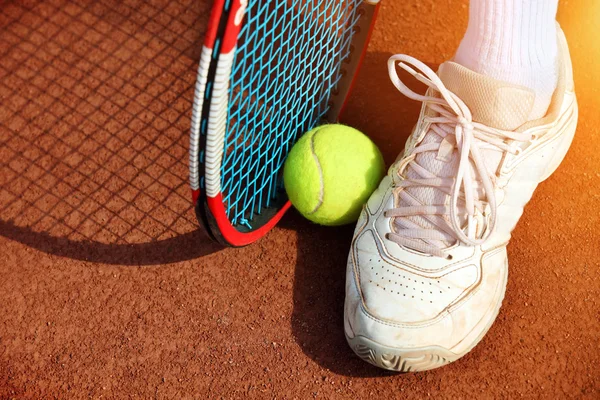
181, 248
387, 117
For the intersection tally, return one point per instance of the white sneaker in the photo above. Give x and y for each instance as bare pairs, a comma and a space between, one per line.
428, 267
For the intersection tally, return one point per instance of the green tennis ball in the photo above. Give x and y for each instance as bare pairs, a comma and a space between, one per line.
331, 172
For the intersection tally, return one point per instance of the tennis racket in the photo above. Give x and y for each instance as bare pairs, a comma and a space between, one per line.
269, 71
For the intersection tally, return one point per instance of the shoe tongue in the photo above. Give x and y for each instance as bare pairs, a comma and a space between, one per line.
494, 103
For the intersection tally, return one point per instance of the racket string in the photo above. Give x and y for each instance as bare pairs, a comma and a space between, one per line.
286, 66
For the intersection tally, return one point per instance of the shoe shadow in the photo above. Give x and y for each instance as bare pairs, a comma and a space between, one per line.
318, 296
387, 117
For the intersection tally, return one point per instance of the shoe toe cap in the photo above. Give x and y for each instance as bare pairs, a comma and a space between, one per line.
400, 293
399, 306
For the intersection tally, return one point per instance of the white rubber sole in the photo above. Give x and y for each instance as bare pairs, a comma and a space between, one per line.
418, 359
399, 360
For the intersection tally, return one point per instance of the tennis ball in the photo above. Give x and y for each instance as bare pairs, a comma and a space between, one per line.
331, 172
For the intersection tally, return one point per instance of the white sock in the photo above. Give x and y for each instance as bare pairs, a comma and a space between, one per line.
514, 41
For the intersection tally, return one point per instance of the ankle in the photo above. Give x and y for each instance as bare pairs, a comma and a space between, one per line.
515, 42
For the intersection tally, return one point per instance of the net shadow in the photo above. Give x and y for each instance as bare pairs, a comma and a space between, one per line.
94, 123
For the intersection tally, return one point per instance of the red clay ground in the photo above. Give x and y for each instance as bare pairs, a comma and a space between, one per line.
107, 290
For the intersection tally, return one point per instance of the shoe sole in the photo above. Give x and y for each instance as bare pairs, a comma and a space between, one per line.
399, 360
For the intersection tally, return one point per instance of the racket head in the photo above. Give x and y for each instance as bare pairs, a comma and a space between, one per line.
267, 74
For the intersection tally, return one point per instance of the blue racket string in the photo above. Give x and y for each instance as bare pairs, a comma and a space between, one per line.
285, 69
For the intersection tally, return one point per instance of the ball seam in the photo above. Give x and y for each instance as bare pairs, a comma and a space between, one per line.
322, 186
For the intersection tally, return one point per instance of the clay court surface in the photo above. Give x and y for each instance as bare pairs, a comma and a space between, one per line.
107, 290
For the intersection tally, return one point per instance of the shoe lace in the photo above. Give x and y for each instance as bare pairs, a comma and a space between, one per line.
470, 217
